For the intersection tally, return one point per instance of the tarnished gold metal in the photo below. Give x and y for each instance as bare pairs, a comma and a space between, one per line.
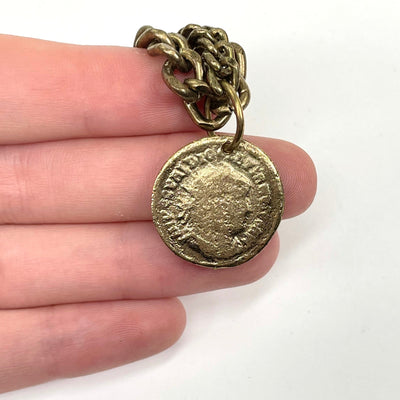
214, 208
217, 201
218, 87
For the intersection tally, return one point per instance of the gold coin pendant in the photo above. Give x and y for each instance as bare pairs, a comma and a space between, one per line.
214, 208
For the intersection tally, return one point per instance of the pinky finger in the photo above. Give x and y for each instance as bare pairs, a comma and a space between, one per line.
41, 344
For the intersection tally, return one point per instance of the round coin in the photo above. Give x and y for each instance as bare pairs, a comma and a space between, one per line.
214, 208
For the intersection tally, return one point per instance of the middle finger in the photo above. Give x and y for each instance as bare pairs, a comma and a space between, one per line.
110, 180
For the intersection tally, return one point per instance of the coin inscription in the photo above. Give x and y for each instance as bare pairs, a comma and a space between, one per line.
214, 208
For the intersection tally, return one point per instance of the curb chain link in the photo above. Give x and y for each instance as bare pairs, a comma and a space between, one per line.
219, 69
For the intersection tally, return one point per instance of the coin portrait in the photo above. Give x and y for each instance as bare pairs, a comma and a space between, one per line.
214, 208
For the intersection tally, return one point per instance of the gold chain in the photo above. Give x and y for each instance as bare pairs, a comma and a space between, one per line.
219, 69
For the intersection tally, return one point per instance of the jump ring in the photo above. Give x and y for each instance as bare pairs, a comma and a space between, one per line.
238, 110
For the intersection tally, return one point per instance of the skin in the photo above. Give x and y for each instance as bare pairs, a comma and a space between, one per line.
86, 283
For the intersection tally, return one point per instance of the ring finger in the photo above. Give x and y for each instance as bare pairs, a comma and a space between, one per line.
54, 264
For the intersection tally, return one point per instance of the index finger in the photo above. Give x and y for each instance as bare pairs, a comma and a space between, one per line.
54, 91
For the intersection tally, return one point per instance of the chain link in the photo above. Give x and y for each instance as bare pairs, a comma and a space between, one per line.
218, 87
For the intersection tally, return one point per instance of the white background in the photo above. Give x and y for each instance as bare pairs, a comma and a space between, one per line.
325, 322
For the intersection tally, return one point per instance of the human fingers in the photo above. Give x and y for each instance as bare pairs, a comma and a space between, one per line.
78, 339
53, 91
54, 264
108, 180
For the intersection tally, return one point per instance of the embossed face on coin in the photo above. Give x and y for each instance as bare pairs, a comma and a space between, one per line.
214, 208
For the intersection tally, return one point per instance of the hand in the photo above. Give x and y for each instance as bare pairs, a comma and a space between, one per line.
86, 283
